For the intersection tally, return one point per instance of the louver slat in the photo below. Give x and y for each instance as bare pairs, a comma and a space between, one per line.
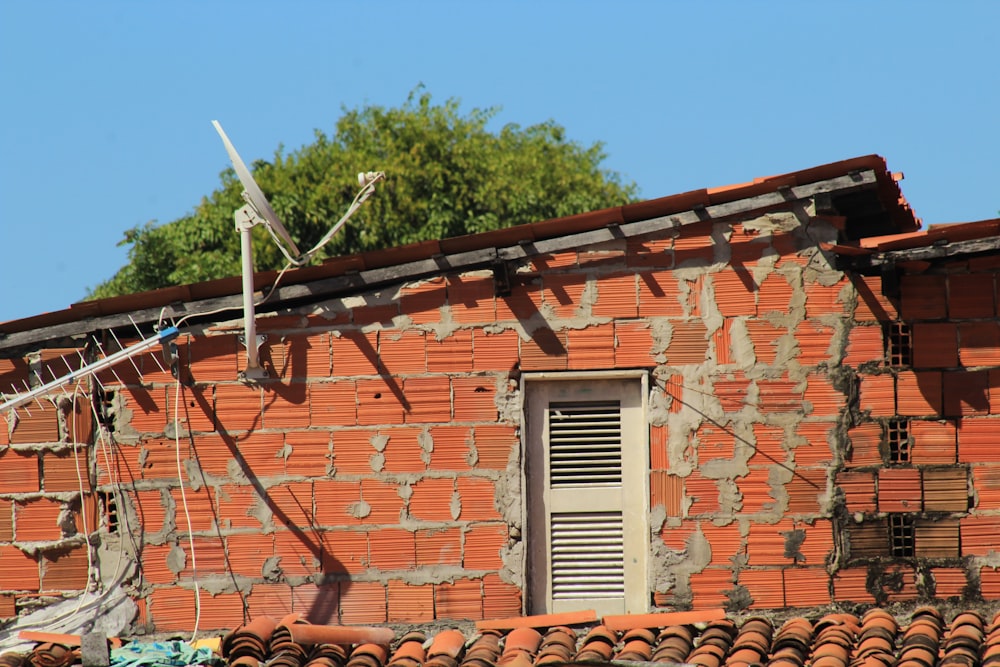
585, 443
588, 556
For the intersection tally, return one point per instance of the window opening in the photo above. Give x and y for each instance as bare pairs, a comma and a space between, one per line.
110, 504
899, 441
901, 536
900, 343
105, 409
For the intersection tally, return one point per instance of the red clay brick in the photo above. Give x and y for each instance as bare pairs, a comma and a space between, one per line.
563, 293
383, 498
708, 588
477, 496
617, 297
650, 252
658, 458
462, 599
979, 534
805, 489
823, 299
899, 490
919, 394
214, 358
62, 472
353, 451
37, 520
286, 405
545, 350
6, 521
402, 352
355, 353
688, 342
779, 396
774, 294
410, 603
977, 441
970, 296
494, 445
18, 570
858, 487
768, 445
932, 442
735, 293
872, 305
726, 542
667, 491
482, 547
392, 549
452, 448
633, 345
850, 584
303, 356
471, 300
317, 604
494, 351
756, 490
806, 586
333, 403
171, 609
660, 295
704, 494
380, 401
365, 315
344, 552
474, 399
949, 581
439, 546
274, 600
814, 341
500, 599
362, 602
554, 261
966, 393
935, 345
765, 338
423, 302
451, 355
308, 453
248, 553
979, 343
19, 472
592, 347
864, 344
766, 587
923, 297
334, 501
428, 399
301, 552
823, 398
402, 451
523, 302
238, 407
431, 499
878, 395
42, 425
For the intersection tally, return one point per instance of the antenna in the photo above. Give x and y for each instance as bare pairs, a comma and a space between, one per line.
258, 211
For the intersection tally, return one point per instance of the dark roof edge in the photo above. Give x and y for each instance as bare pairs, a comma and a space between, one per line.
339, 278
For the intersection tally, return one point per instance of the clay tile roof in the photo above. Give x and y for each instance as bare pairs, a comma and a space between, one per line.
927, 637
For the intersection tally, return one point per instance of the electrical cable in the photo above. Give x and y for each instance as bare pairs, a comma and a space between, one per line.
187, 513
734, 434
360, 198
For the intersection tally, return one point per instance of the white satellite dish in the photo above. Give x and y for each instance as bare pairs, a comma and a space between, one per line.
258, 211
252, 192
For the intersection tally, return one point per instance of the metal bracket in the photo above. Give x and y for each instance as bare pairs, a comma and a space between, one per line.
501, 278
252, 374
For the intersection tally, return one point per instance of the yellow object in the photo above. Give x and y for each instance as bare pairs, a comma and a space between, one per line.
213, 643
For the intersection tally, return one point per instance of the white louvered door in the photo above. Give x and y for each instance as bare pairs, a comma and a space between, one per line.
586, 468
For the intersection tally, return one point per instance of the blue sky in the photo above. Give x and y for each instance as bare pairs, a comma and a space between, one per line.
107, 105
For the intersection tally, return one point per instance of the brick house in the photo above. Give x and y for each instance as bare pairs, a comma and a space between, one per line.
776, 394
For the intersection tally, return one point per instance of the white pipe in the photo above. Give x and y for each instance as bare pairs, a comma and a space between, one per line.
249, 321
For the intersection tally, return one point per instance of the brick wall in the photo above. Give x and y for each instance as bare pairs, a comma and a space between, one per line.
811, 440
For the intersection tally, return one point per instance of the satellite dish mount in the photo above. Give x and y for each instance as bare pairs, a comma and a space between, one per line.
258, 211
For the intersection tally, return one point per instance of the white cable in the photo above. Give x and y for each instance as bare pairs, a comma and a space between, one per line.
187, 513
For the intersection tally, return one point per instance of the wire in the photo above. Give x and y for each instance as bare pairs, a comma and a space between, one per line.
187, 513
359, 199
734, 433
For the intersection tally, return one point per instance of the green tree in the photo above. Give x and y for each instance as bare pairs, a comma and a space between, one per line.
447, 175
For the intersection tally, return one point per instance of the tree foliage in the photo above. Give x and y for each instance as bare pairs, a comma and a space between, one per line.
447, 174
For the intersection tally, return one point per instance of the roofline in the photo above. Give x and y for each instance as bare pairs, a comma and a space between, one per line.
345, 275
